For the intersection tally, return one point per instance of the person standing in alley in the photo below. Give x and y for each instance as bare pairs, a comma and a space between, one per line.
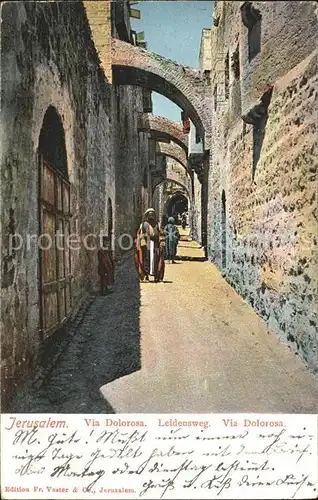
172, 236
106, 266
149, 248
184, 220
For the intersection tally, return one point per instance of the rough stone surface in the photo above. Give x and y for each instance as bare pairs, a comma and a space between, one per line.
262, 207
205, 56
37, 72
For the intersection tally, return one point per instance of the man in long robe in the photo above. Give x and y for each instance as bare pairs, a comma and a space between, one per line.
149, 248
172, 236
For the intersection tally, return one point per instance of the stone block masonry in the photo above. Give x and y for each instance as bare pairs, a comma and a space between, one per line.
48, 60
262, 184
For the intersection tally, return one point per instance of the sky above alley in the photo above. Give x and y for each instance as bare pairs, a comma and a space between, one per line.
173, 30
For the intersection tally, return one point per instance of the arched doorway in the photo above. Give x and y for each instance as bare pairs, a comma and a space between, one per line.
110, 222
54, 225
177, 204
223, 230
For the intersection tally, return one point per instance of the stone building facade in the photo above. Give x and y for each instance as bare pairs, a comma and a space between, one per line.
262, 206
110, 21
50, 103
66, 132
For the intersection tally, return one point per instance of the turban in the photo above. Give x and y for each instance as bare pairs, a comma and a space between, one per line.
149, 210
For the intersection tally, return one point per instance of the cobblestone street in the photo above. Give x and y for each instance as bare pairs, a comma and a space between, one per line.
104, 347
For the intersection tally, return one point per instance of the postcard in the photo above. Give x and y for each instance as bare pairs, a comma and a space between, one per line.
159, 249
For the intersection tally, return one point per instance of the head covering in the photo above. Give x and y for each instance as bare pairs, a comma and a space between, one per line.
171, 220
147, 212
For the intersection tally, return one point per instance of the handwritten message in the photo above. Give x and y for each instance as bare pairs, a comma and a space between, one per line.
159, 456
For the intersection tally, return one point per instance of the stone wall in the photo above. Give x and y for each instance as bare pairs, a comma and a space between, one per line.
196, 216
205, 55
48, 59
131, 160
262, 182
176, 172
161, 127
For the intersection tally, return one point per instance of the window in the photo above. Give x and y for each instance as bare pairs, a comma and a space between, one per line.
227, 76
147, 101
251, 18
215, 97
236, 63
216, 21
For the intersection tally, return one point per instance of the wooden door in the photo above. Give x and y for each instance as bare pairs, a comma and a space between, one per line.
55, 257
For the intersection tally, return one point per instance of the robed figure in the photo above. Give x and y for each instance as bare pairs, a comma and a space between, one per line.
172, 236
149, 248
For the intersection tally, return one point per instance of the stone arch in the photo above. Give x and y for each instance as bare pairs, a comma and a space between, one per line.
174, 152
176, 172
50, 92
179, 184
183, 85
162, 128
223, 230
52, 141
177, 198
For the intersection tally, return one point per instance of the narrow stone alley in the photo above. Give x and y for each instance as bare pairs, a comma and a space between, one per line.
187, 344
215, 131
205, 350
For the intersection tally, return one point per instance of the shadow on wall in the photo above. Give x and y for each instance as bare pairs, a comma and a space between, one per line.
259, 127
259, 130
99, 346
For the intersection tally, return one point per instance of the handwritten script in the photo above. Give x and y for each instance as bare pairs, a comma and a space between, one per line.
159, 456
